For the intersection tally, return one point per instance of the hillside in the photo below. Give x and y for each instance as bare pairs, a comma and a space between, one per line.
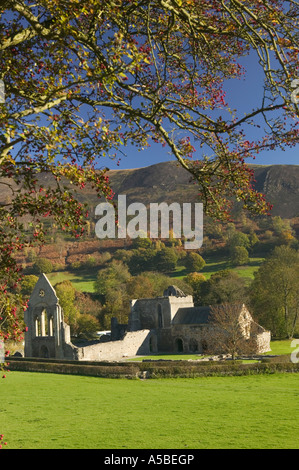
169, 182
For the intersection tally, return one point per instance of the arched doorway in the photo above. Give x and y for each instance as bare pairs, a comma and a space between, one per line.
153, 344
44, 352
179, 346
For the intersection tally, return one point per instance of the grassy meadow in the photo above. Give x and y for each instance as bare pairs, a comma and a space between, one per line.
75, 412
84, 281
53, 411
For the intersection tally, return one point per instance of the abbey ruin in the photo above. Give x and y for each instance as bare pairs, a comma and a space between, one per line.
169, 323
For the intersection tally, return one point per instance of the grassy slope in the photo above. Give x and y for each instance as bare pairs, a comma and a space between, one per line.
56, 411
82, 282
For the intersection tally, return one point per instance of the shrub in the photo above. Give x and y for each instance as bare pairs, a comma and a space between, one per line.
194, 262
239, 256
28, 283
42, 265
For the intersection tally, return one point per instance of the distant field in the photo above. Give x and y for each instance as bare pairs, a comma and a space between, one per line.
214, 265
40, 411
84, 281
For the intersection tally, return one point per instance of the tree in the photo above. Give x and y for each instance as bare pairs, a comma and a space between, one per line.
84, 79
67, 294
28, 283
113, 277
274, 292
42, 265
87, 326
142, 260
152, 284
166, 260
238, 239
141, 286
141, 242
229, 336
239, 256
195, 280
222, 287
111, 286
194, 262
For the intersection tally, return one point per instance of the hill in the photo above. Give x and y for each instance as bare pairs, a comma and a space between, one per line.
169, 182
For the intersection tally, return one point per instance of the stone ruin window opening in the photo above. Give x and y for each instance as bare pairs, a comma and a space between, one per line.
37, 326
44, 324
160, 317
51, 326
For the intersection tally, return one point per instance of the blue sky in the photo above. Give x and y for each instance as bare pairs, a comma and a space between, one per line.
242, 95
157, 154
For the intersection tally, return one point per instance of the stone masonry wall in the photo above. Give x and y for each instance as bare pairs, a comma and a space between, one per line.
263, 342
134, 343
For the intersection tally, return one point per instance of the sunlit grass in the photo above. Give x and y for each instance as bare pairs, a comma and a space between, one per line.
83, 282
60, 412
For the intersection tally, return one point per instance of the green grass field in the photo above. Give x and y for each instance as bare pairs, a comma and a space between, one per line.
84, 281
75, 412
281, 347
217, 264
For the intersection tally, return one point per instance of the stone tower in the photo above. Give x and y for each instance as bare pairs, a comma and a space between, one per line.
47, 335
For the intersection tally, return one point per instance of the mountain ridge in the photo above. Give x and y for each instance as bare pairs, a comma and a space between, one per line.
169, 182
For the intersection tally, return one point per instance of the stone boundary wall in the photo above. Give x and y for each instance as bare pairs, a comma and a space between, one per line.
133, 344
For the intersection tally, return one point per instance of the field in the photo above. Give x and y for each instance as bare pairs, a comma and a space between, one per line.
75, 412
84, 281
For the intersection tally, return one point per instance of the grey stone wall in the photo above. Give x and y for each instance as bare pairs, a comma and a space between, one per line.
134, 343
156, 313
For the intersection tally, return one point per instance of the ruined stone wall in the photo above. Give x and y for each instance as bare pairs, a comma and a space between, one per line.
263, 342
134, 343
262, 338
156, 313
188, 338
144, 313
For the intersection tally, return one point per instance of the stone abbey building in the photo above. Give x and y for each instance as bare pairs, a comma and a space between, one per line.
169, 323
